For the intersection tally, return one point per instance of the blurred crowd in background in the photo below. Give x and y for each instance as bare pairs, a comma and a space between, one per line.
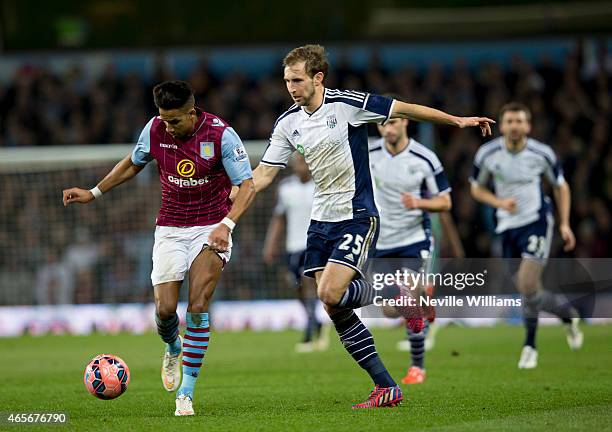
101, 252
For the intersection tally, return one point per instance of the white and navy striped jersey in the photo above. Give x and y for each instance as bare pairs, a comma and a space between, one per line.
295, 203
416, 170
518, 175
334, 142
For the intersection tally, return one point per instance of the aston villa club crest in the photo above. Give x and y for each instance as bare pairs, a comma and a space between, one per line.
332, 121
207, 150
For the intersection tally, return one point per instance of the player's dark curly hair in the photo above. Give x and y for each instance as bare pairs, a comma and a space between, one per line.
173, 94
314, 56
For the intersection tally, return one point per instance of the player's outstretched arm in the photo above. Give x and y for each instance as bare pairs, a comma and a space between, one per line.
122, 172
263, 176
427, 114
485, 196
563, 199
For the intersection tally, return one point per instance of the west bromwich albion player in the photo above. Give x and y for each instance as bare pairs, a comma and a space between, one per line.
409, 182
515, 163
329, 127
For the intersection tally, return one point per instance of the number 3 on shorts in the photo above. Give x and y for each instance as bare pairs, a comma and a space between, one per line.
348, 239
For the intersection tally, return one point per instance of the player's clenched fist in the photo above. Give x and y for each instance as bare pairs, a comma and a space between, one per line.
410, 201
508, 204
78, 195
218, 240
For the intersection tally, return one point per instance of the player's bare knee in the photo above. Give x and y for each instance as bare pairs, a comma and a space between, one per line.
198, 306
164, 311
528, 288
328, 294
527, 285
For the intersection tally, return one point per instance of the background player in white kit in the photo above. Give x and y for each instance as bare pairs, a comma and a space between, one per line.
292, 217
516, 163
329, 127
409, 182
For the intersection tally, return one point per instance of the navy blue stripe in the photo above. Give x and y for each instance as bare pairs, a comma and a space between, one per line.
426, 153
267, 147
375, 149
545, 205
424, 158
274, 163
379, 104
291, 110
363, 200
426, 223
351, 102
442, 181
475, 172
486, 154
542, 153
556, 167
348, 93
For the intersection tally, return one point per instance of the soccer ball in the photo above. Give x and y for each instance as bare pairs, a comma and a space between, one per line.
107, 376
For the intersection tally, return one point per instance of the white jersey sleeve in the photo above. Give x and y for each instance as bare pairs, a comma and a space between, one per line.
480, 170
280, 148
278, 151
552, 169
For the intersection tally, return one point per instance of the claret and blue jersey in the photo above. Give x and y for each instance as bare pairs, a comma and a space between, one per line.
197, 173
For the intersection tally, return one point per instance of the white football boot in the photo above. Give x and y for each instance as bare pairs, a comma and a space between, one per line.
171, 370
184, 406
575, 337
529, 358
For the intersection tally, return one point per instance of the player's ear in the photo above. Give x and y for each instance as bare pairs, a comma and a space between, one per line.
318, 77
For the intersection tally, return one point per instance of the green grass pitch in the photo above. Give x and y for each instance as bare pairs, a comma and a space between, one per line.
254, 381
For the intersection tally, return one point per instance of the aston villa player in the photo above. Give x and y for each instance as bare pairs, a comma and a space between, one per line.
199, 157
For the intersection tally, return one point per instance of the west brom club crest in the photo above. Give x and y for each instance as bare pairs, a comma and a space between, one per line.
207, 150
331, 121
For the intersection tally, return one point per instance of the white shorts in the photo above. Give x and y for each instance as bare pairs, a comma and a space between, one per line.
176, 248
